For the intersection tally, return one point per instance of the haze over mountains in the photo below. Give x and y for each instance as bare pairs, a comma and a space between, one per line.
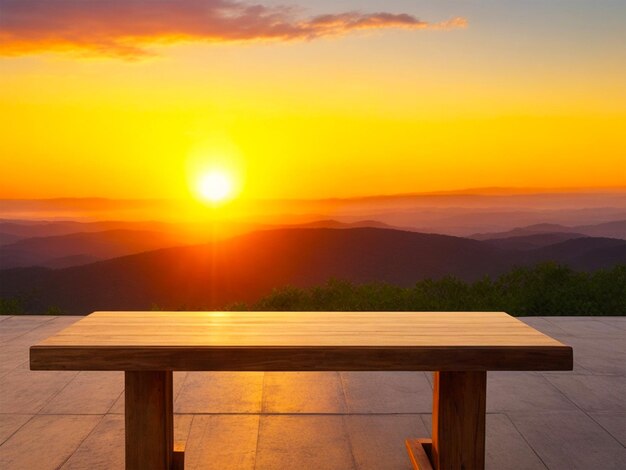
22, 249
81, 266
73, 249
246, 267
461, 213
613, 229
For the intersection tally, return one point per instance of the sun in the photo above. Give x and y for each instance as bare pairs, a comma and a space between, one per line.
215, 186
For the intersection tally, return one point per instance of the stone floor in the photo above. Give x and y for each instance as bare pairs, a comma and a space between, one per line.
345, 420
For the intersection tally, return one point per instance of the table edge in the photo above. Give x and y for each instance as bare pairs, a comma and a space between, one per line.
301, 358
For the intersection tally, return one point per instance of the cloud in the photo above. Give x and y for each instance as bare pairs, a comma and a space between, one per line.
127, 28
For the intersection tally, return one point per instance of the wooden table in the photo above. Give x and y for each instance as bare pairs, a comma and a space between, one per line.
459, 346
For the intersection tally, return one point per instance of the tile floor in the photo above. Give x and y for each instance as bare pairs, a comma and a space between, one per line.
335, 420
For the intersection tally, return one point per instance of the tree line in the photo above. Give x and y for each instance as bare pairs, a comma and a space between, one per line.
542, 290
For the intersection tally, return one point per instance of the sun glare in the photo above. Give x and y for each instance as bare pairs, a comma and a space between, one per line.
215, 186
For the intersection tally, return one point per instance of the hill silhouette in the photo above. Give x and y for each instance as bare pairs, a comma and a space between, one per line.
614, 229
585, 254
93, 241
82, 248
246, 267
530, 242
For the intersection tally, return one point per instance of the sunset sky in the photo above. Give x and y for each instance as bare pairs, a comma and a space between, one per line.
295, 99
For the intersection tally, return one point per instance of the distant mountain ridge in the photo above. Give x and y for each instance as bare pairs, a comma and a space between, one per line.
613, 229
249, 266
584, 254
461, 213
531, 242
330, 223
81, 248
93, 241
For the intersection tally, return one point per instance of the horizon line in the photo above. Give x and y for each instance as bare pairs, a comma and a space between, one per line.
477, 191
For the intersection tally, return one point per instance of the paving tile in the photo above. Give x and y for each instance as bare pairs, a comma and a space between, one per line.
613, 423
45, 442
303, 442
545, 326
87, 393
617, 322
9, 424
569, 440
57, 325
430, 376
222, 442
23, 366
592, 392
34, 335
103, 449
17, 326
118, 406
25, 391
42, 332
604, 356
14, 351
517, 391
387, 392
378, 440
505, 447
221, 392
178, 380
33, 318
67, 320
12, 355
585, 327
182, 428
303, 392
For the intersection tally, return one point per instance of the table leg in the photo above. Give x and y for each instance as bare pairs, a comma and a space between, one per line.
149, 420
458, 437
459, 401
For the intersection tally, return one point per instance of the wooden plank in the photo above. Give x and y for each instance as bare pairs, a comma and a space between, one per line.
300, 359
283, 341
458, 437
300, 329
149, 420
419, 450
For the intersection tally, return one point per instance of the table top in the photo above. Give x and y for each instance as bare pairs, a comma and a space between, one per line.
282, 341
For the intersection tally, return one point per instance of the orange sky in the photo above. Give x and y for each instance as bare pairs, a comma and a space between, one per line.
419, 98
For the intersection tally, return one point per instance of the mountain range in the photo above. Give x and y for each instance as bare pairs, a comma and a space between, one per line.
613, 229
247, 266
461, 213
59, 251
59, 244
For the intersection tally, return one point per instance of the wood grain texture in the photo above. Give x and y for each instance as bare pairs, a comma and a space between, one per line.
149, 420
283, 341
418, 454
458, 437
